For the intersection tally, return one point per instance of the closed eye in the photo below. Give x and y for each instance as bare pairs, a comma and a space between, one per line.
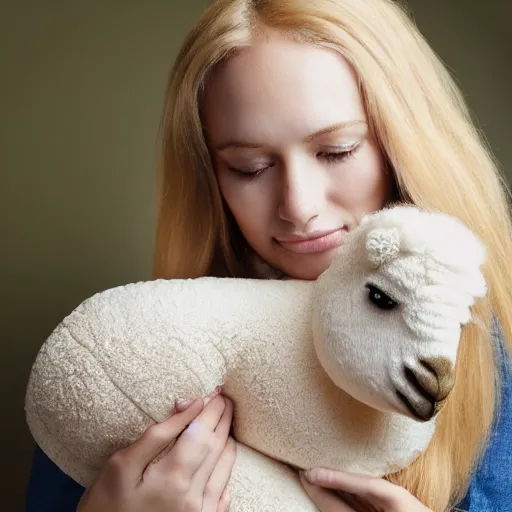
338, 156
331, 157
250, 173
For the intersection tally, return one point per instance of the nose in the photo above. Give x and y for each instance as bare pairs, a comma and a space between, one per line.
430, 382
301, 195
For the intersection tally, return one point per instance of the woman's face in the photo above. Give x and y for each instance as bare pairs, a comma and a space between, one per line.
293, 153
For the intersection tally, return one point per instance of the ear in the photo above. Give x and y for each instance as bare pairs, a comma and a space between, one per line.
382, 245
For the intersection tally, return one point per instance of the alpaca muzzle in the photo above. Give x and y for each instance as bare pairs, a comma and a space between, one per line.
429, 383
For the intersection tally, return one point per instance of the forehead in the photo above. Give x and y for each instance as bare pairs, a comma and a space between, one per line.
279, 86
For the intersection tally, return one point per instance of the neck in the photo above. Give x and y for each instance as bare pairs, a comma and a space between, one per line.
257, 268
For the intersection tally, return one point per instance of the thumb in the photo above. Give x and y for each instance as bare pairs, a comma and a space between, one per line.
359, 485
324, 500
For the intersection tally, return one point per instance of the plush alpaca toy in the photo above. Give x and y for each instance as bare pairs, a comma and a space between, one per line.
348, 371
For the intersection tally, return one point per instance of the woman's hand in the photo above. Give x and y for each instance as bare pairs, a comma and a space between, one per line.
182, 464
360, 493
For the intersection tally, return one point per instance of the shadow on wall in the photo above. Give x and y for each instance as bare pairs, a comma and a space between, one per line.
81, 91
476, 45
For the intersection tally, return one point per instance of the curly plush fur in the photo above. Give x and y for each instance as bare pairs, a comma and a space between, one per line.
348, 371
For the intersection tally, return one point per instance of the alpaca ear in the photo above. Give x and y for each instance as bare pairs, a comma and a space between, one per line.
382, 245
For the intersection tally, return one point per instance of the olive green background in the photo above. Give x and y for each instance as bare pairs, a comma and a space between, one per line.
81, 88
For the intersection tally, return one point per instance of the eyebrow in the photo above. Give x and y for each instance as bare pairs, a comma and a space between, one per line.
323, 131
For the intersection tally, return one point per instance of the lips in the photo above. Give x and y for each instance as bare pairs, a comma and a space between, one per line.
317, 242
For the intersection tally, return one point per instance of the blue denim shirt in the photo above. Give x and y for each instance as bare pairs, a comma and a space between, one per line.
50, 490
491, 486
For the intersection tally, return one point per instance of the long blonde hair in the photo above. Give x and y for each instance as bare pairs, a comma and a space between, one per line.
440, 160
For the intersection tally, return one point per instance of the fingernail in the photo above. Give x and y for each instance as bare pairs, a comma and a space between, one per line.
212, 395
304, 478
181, 405
313, 475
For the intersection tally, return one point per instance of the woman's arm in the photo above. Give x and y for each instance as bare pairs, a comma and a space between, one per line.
49, 489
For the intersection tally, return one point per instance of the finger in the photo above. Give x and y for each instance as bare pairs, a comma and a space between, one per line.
212, 413
216, 496
368, 489
224, 425
224, 502
220, 445
195, 443
155, 439
360, 485
325, 500
181, 405
217, 391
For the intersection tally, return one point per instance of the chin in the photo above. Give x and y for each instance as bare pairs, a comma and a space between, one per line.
308, 268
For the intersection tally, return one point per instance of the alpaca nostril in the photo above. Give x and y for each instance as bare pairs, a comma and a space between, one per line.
430, 382
425, 390
420, 408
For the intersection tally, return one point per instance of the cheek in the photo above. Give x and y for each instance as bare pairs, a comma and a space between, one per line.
249, 203
366, 185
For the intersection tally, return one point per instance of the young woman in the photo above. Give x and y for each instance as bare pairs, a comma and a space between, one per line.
285, 122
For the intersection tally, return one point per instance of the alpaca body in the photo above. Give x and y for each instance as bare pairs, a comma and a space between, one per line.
258, 345
348, 371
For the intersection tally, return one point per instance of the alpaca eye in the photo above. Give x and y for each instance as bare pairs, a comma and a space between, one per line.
380, 299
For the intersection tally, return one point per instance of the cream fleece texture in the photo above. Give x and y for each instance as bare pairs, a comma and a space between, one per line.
313, 368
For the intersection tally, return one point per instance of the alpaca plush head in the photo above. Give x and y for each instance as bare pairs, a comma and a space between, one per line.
409, 294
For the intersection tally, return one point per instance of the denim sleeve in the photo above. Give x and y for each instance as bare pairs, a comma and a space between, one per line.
49, 489
491, 486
